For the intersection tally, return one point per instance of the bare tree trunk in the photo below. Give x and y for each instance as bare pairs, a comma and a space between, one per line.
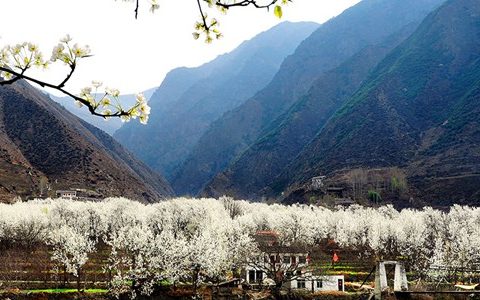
134, 281
78, 278
64, 284
195, 280
276, 290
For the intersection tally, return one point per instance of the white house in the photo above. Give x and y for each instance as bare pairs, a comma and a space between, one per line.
289, 262
317, 182
318, 283
66, 194
255, 275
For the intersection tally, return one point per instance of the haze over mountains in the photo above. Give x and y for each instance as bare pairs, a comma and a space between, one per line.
384, 92
190, 99
366, 24
44, 148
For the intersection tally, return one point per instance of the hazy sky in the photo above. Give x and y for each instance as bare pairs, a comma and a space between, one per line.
134, 55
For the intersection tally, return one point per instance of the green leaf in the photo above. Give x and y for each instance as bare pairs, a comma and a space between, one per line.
278, 11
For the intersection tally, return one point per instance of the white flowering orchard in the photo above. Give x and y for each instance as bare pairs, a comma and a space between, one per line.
205, 240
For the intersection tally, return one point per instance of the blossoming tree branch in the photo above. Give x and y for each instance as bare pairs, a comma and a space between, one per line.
209, 26
16, 60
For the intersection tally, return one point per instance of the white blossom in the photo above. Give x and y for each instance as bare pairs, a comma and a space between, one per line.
19, 58
204, 239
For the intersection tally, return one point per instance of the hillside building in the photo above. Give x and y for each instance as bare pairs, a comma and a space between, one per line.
66, 194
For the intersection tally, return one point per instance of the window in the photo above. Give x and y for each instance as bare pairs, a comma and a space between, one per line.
300, 283
302, 260
251, 276
294, 260
319, 284
340, 285
259, 276
286, 259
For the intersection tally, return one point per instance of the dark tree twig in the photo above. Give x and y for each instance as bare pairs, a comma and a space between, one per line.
245, 3
136, 10
242, 3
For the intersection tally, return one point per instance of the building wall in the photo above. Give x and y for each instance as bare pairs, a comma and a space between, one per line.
328, 283
280, 262
66, 194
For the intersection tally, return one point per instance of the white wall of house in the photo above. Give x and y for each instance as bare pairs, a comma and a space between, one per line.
317, 182
320, 283
306, 281
66, 194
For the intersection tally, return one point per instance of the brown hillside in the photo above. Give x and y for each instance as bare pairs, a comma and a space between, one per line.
43, 146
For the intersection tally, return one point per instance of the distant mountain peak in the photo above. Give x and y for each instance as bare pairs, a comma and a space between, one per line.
190, 99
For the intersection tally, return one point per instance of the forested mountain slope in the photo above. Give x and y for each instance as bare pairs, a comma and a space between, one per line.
285, 137
419, 111
367, 23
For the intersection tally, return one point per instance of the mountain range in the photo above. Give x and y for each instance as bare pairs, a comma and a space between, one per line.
366, 24
44, 148
190, 99
418, 111
285, 137
406, 130
377, 105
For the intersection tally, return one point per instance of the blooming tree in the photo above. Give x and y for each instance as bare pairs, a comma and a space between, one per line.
17, 60
70, 250
133, 258
206, 241
455, 251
